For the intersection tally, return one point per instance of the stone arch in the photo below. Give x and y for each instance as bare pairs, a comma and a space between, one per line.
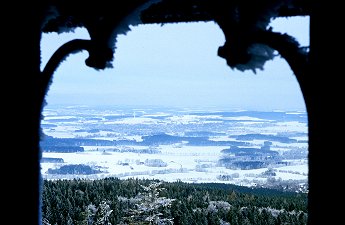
27, 88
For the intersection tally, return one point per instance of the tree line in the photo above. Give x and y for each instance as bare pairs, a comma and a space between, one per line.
113, 201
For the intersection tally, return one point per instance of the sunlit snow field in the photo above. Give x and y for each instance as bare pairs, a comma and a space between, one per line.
181, 161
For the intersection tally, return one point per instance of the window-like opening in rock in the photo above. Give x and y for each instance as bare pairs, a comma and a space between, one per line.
171, 109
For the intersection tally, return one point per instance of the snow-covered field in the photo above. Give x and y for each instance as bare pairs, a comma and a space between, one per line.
176, 161
185, 164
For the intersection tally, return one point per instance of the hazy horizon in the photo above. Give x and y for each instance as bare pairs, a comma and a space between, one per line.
175, 65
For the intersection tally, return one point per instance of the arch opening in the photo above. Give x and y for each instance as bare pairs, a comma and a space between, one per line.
150, 89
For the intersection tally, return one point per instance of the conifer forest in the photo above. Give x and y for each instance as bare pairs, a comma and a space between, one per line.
113, 201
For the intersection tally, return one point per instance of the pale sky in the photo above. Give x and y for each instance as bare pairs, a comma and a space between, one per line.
175, 65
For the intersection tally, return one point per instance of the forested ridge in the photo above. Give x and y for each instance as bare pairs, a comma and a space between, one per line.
114, 201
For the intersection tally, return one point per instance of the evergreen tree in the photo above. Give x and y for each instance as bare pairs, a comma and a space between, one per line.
149, 206
89, 214
102, 214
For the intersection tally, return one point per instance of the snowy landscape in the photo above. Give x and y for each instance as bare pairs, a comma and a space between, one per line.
248, 148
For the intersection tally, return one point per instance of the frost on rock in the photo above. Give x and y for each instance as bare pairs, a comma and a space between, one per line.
260, 54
